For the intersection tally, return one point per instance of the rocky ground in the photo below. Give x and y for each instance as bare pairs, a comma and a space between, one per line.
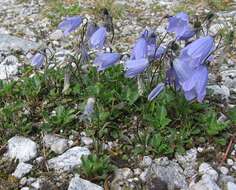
25, 26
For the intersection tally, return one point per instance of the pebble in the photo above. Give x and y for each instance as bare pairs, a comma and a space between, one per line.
69, 159
147, 161
206, 169
231, 186
22, 169
78, 183
230, 162
224, 170
56, 143
21, 148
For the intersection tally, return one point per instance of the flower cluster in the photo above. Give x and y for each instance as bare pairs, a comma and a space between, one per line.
186, 68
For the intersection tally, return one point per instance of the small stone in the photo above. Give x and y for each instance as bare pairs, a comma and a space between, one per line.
231, 186
21, 148
147, 161
37, 184
87, 141
200, 149
23, 181
39, 159
55, 143
206, 183
230, 162
22, 169
78, 183
137, 171
224, 170
69, 159
56, 35
25, 188
144, 175
206, 169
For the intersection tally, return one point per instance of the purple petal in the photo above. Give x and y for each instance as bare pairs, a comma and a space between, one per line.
70, 24
198, 51
140, 49
38, 60
156, 91
106, 60
98, 38
135, 67
91, 28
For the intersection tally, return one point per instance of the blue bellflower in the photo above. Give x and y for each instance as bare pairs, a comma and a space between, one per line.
190, 69
156, 91
106, 60
91, 28
38, 60
138, 61
70, 24
140, 49
135, 67
179, 24
98, 38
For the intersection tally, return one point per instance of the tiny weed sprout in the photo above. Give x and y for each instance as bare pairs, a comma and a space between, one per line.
150, 95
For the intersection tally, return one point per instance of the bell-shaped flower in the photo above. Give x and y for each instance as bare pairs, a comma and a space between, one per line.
197, 52
106, 60
98, 38
156, 91
135, 67
38, 60
139, 50
193, 81
179, 24
171, 78
70, 24
91, 28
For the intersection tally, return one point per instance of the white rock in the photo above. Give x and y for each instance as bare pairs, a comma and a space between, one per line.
147, 161
169, 172
37, 184
25, 188
220, 90
68, 160
21, 148
144, 175
231, 186
56, 35
77, 183
55, 143
230, 162
86, 141
137, 171
22, 169
224, 170
206, 169
206, 183
23, 181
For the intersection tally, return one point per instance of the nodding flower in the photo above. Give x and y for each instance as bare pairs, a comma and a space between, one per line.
70, 24
106, 60
98, 38
191, 70
179, 24
135, 67
38, 60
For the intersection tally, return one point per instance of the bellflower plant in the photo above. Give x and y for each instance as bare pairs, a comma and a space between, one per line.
140, 49
98, 38
106, 60
38, 60
91, 28
179, 24
70, 24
